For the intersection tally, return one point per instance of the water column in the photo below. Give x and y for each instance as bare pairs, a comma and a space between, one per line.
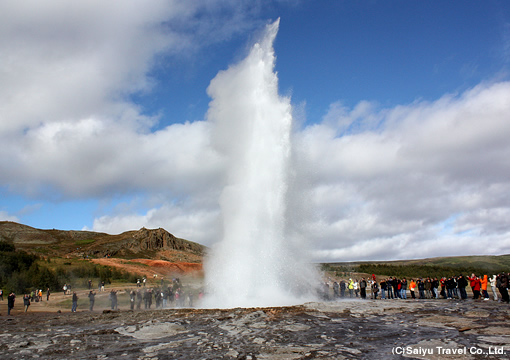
253, 265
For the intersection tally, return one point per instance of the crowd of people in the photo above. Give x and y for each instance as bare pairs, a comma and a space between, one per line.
453, 287
163, 296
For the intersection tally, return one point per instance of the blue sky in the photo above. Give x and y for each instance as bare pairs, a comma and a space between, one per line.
401, 111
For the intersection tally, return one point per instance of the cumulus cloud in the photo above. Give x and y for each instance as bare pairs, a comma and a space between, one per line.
5, 216
68, 126
415, 180
428, 179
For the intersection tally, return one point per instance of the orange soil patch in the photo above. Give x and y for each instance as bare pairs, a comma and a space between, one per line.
148, 268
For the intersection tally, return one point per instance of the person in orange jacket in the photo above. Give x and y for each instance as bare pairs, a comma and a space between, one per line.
412, 287
483, 285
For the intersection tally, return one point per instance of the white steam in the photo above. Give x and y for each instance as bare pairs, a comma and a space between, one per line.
256, 263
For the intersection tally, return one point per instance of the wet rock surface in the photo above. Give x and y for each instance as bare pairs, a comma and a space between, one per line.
356, 329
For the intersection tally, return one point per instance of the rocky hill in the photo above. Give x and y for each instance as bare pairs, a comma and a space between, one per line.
143, 243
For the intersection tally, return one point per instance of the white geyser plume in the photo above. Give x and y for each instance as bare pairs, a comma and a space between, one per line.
256, 263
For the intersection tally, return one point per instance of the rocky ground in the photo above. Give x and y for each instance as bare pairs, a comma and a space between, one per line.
350, 329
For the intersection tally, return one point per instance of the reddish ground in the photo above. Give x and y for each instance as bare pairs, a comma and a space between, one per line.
149, 268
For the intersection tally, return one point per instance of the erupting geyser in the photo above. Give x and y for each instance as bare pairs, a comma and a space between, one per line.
256, 263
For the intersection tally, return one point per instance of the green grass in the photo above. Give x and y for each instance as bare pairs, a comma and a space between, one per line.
84, 242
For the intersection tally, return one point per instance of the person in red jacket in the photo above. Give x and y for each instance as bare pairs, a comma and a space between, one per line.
472, 281
476, 288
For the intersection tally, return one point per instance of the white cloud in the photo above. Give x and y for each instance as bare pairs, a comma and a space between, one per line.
67, 126
421, 179
384, 192
5, 216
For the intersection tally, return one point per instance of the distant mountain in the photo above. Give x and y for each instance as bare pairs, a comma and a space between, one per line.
143, 243
490, 263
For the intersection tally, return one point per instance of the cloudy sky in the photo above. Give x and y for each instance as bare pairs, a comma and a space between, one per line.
401, 117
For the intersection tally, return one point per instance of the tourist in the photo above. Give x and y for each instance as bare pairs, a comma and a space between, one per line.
455, 286
336, 288
472, 280
476, 288
10, 302
325, 292
435, 286
503, 287
139, 299
483, 284
113, 299
26, 301
389, 286
421, 288
48, 294
493, 287
75, 302
398, 288
1, 295
92, 299
462, 284
342, 288
146, 296
383, 289
428, 287
356, 287
403, 289
132, 298
65, 289
449, 287
412, 287
363, 288
375, 290
351, 288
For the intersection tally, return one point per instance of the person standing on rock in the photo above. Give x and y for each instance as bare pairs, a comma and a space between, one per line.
462, 284
493, 287
412, 287
351, 288
113, 299
92, 299
503, 287
132, 299
403, 289
342, 288
336, 288
139, 298
75, 302
375, 289
363, 288
484, 281
10, 302
26, 301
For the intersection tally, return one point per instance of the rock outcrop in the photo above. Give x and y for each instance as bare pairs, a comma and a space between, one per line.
143, 243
